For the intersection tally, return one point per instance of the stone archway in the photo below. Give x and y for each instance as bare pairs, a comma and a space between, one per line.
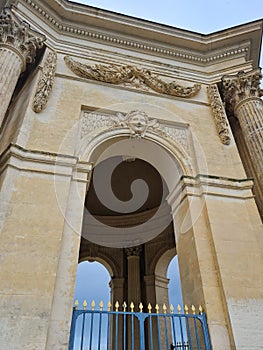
177, 167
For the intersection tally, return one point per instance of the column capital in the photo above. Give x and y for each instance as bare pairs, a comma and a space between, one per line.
133, 251
19, 37
240, 87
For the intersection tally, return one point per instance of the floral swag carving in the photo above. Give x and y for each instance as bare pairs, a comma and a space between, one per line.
19, 35
45, 82
219, 114
131, 75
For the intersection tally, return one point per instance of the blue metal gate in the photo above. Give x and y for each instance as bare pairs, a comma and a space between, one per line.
129, 330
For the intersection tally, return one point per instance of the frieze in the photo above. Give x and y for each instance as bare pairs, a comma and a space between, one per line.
131, 76
137, 122
45, 83
18, 35
219, 113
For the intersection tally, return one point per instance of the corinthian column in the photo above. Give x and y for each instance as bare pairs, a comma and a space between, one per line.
18, 45
242, 98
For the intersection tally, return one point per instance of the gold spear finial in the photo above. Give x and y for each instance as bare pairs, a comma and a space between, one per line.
149, 308
117, 305
76, 304
179, 309
85, 304
164, 308
186, 309
193, 309
109, 305
124, 305
132, 306
140, 306
101, 305
93, 305
157, 308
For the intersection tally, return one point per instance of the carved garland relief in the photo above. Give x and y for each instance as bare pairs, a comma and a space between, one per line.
219, 114
130, 76
45, 82
137, 122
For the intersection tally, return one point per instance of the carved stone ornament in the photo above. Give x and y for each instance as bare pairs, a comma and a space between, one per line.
19, 36
133, 251
138, 124
240, 86
219, 114
45, 82
130, 75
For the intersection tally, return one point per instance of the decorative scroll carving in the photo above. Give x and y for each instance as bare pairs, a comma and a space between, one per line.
137, 122
131, 75
133, 251
19, 35
241, 86
219, 114
45, 82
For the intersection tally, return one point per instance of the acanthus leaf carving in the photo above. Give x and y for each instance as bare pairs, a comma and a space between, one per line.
130, 75
45, 82
241, 86
219, 114
19, 35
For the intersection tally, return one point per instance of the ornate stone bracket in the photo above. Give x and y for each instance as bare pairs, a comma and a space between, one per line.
132, 76
219, 114
19, 36
45, 82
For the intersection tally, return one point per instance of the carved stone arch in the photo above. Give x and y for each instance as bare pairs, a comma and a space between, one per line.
97, 142
163, 153
102, 261
103, 255
163, 261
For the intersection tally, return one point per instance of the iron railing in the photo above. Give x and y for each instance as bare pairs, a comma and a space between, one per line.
129, 330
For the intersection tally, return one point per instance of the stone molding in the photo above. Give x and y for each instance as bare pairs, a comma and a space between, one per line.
19, 37
209, 185
219, 113
241, 86
45, 82
137, 124
44, 162
104, 36
130, 76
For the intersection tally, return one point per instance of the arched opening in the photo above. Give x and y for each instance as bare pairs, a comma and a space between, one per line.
99, 289
174, 287
128, 224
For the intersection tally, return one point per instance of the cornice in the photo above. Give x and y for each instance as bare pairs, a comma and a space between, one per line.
153, 38
47, 163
